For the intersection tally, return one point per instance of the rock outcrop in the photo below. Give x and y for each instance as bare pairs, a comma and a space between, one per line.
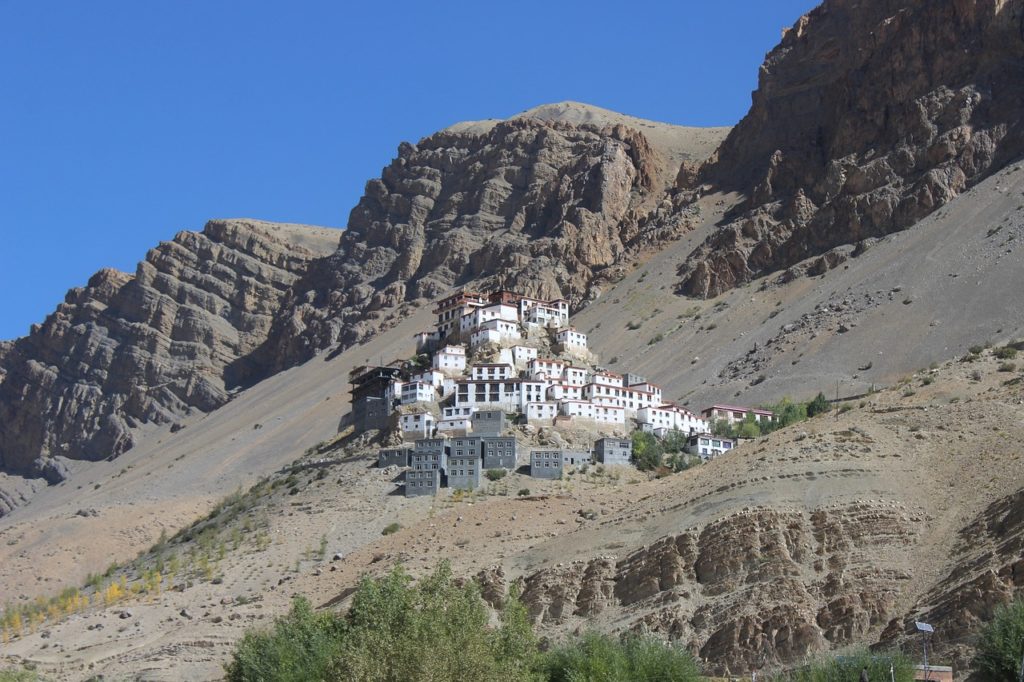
755, 589
867, 117
129, 350
536, 205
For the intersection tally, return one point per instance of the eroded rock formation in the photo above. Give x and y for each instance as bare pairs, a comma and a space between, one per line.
759, 588
539, 206
128, 350
867, 117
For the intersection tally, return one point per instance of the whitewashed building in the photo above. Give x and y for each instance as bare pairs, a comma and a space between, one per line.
575, 376
734, 414
570, 339
451, 359
495, 311
602, 414
491, 371
546, 368
417, 424
456, 420
417, 392
670, 418
495, 331
541, 411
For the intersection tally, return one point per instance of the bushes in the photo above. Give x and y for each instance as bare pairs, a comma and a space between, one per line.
438, 630
601, 658
1005, 353
391, 528
847, 669
300, 647
495, 474
1002, 641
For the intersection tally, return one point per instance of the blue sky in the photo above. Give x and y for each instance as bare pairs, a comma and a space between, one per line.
126, 121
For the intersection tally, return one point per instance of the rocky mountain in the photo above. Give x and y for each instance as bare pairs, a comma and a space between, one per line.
545, 202
130, 350
867, 117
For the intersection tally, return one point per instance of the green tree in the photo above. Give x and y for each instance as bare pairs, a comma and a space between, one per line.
847, 668
647, 451
674, 441
723, 429
1002, 643
299, 648
818, 405
749, 428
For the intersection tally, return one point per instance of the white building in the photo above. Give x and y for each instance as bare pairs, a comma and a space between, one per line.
541, 411
482, 393
575, 376
450, 311
602, 414
429, 376
734, 414
708, 446
472, 320
418, 424
553, 314
570, 339
492, 371
456, 419
560, 392
417, 392
495, 331
546, 368
522, 355
670, 418
451, 359
606, 379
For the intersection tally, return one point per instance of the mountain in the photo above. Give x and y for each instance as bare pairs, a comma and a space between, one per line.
550, 202
127, 351
858, 233
867, 117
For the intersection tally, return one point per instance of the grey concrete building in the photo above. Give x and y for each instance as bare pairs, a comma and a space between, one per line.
429, 454
613, 451
630, 379
465, 470
488, 422
398, 457
553, 463
422, 482
500, 452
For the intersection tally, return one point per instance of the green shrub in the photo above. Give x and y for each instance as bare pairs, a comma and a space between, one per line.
818, 405
633, 325
847, 669
1006, 353
523, 492
657, 338
391, 528
602, 658
300, 647
976, 350
1001, 644
748, 429
495, 474
1007, 366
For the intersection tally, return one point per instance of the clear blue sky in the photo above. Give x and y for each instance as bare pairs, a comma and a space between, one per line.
125, 121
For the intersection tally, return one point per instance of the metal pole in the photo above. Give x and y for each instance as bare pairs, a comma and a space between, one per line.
892, 672
926, 659
1021, 678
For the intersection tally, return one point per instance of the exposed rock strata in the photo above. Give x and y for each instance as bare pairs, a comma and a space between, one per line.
762, 587
538, 206
867, 117
130, 350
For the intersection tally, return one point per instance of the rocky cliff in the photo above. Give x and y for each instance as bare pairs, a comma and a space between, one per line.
533, 203
867, 117
129, 350
759, 588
